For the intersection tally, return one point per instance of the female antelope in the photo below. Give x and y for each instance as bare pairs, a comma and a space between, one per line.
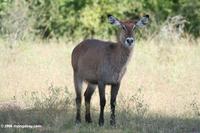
102, 63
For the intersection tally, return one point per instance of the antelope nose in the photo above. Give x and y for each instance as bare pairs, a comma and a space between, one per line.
129, 40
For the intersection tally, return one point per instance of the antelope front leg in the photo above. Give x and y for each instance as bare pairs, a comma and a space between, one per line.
102, 102
114, 92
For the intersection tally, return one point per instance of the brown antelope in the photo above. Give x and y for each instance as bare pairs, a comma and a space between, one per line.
102, 63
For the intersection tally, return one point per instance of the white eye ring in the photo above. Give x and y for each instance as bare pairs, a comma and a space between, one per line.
133, 27
124, 27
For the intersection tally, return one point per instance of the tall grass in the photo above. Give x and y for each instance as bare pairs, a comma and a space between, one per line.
159, 92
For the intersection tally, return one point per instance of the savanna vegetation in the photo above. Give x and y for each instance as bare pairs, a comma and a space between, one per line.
159, 93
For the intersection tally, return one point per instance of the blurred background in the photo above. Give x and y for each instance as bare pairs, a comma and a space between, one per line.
159, 93
74, 19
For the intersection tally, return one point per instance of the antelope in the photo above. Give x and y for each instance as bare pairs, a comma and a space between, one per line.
100, 63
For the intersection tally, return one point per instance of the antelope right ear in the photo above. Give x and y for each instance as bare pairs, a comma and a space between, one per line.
143, 21
113, 20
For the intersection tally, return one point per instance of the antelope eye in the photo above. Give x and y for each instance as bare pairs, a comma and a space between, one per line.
123, 27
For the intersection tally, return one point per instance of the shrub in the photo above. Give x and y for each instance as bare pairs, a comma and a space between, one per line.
74, 19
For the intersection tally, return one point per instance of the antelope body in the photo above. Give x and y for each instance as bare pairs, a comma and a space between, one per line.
102, 63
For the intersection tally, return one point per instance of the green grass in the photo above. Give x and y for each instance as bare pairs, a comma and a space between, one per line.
159, 93
128, 122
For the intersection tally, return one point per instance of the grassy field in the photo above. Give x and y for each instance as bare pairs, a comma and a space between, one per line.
159, 93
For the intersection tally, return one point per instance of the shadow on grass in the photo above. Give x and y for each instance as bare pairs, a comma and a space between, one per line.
34, 120
58, 121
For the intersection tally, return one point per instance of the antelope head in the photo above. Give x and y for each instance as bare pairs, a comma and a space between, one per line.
126, 37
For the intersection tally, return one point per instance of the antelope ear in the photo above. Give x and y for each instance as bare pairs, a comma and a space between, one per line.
113, 20
143, 21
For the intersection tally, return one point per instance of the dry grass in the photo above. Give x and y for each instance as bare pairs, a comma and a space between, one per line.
165, 73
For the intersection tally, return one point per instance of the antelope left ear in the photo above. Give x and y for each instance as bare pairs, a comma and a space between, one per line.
113, 20
143, 21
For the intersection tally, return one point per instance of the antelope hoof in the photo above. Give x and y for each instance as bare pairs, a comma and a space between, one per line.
112, 123
88, 118
78, 121
101, 122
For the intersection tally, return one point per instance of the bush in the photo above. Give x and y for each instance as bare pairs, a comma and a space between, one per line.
74, 19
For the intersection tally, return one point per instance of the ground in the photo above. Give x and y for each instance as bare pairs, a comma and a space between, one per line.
159, 92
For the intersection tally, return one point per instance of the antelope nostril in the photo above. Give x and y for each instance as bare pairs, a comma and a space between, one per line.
130, 40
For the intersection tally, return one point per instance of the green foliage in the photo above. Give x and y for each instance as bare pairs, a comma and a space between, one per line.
191, 10
4, 4
75, 19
